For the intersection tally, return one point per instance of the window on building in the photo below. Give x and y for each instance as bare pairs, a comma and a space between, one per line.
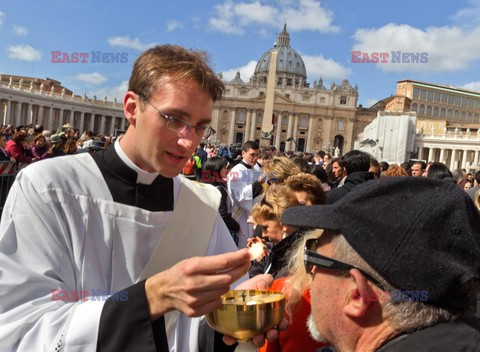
414, 107
457, 100
451, 99
302, 122
227, 91
442, 112
463, 117
305, 98
435, 111
341, 125
464, 102
437, 96
243, 92
470, 117
457, 115
343, 100
429, 110
471, 103
288, 96
476, 119
261, 94
285, 120
444, 98
449, 113
421, 109
430, 95
258, 120
322, 100
416, 92
423, 94
241, 116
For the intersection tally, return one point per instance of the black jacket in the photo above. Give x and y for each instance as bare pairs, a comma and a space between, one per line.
463, 335
232, 224
278, 257
355, 178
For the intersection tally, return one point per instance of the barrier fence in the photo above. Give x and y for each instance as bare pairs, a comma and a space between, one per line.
8, 171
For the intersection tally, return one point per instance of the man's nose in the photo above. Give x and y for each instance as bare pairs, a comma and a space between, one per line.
188, 139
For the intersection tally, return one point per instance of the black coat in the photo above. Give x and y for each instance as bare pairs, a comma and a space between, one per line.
355, 178
278, 257
462, 335
232, 224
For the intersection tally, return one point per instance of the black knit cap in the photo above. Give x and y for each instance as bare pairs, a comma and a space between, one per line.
418, 233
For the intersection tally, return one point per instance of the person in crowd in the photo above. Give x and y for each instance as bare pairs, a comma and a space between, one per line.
395, 170
440, 171
114, 251
356, 165
4, 156
263, 157
326, 160
319, 172
307, 187
57, 142
215, 173
278, 170
384, 166
476, 185
418, 168
468, 185
338, 171
383, 280
40, 149
70, 146
375, 168
18, 148
460, 177
477, 199
302, 164
318, 158
243, 187
408, 168
201, 153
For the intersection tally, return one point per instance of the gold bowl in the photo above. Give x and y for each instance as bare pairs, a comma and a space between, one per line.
246, 313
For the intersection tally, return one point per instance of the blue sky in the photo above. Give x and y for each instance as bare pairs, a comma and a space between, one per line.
237, 33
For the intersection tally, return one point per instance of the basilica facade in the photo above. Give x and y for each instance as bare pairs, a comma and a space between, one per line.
306, 118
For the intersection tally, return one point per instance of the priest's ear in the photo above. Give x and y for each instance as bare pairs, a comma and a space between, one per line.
131, 106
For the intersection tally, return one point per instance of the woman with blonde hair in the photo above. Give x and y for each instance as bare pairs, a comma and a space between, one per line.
278, 170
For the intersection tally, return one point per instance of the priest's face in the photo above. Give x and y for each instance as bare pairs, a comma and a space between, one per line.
154, 142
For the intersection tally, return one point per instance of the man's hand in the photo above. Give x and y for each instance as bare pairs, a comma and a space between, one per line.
259, 282
194, 285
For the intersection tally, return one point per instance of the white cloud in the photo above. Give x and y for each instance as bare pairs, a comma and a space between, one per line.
19, 30
24, 52
91, 78
468, 16
173, 24
2, 17
112, 92
233, 17
128, 42
245, 72
472, 86
449, 48
318, 66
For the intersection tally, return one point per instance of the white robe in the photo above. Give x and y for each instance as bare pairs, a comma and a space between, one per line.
240, 180
61, 229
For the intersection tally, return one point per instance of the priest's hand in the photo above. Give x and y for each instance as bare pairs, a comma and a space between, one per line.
194, 286
259, 282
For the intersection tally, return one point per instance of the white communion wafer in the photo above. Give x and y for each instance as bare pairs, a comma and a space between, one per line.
257, 250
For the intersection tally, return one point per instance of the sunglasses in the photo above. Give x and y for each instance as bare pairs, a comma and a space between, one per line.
311, 258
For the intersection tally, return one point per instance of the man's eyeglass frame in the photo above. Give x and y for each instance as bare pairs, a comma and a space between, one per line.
311, 258
205, 131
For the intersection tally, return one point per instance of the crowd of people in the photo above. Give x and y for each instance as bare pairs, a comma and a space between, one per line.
116, 251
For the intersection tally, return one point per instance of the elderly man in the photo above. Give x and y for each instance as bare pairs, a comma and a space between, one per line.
396, 267
114, 251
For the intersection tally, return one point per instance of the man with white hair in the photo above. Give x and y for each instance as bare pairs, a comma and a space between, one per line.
403, 277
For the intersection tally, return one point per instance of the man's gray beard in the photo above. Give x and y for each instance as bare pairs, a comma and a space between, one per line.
312, 328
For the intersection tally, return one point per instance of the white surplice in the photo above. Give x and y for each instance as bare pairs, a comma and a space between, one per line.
60, 229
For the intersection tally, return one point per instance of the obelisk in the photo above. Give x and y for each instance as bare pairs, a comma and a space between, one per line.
267, 125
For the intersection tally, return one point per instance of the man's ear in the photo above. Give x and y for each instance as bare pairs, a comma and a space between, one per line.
131, 107
361, 296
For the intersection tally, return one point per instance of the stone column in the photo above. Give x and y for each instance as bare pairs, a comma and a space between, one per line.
464, 159
278, 133
18, 115
231, 132
326, 132
253, 126
430, 154
420, 153
111, 128
30, 114
294, 132
60, 118
82, 122
92, 122
442, 155
452, 159
288, 146
310, 134
248, 122
124, 121
475, 158
102, 124
7, 117
71, 119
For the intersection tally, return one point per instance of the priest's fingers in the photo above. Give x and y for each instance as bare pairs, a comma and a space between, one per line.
216, 263
258, 282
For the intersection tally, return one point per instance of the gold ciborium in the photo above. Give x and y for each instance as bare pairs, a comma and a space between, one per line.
246, 313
